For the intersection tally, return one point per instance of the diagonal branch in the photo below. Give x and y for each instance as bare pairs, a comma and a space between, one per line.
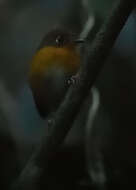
93, 61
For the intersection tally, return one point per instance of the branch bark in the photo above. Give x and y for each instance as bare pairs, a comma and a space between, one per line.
94, 57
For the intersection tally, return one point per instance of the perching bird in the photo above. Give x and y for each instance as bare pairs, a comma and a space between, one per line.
56, 60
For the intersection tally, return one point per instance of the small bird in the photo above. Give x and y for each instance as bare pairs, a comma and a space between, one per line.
56, 60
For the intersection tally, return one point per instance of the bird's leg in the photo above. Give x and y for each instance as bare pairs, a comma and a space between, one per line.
73, 80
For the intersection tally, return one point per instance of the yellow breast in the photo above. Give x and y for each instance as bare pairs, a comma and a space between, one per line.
47, 57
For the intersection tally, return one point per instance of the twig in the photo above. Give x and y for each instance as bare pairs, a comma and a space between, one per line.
94, 58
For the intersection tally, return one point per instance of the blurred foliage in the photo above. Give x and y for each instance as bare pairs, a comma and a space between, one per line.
100, 8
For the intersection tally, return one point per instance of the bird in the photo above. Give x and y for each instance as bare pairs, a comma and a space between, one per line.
55, 61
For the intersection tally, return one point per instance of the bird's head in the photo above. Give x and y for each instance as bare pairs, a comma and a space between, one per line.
60, 38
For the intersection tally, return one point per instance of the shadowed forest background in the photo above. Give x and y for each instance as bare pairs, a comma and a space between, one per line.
22, 26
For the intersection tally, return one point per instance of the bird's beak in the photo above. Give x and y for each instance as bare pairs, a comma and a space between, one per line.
79, 41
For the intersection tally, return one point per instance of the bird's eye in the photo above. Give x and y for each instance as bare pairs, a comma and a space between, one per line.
59, 40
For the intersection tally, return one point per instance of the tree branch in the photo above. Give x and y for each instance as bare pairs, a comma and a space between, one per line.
93, 61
